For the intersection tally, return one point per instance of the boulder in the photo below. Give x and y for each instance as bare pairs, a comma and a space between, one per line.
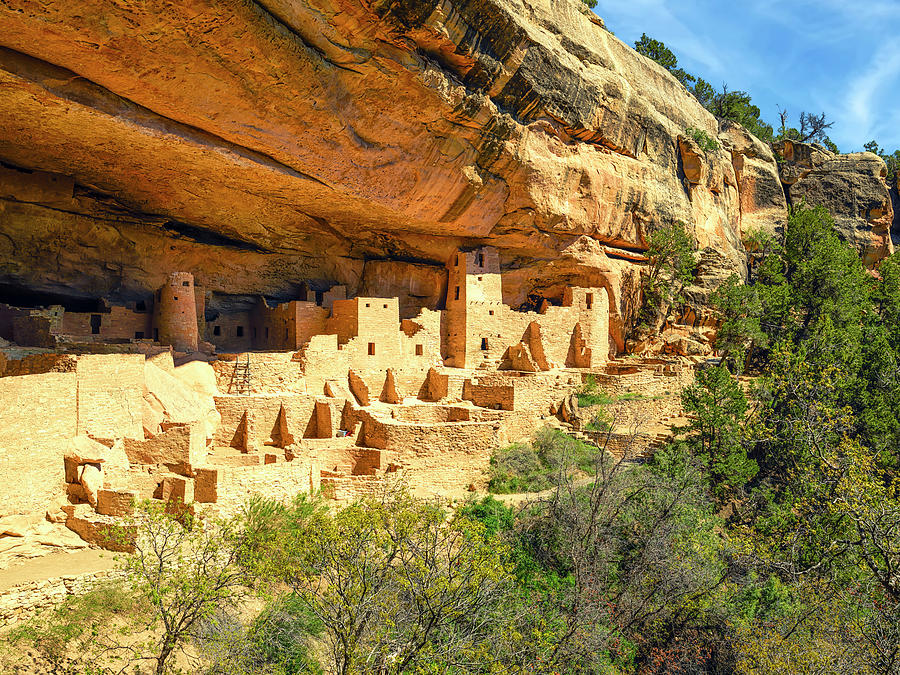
852, 187
183, 397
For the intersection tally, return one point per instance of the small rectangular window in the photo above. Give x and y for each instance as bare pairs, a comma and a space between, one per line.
185, 283
217, 330
480, 278
240, 331
371, 349
368, 305
419, 350
484, 344
481, 260
174, 297
138, 335
141, 306
491, 312
385, 306
589, 300
457, 293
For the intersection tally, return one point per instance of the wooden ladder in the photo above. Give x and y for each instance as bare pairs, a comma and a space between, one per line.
240, 378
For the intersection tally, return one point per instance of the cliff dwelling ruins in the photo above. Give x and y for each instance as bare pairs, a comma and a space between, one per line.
166, 399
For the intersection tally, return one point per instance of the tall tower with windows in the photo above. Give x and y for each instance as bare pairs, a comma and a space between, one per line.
474, 308
175, 313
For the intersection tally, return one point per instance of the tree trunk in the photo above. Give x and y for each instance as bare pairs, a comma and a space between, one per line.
164, 653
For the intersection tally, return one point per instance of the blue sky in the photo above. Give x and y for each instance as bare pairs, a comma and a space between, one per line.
840, 57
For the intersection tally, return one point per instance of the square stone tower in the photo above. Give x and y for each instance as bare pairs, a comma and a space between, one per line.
474, 308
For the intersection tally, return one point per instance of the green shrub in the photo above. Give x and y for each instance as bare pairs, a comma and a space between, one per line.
590, 394
517, 468
77, 620
492, 513
542, 464
276, 638
703, 139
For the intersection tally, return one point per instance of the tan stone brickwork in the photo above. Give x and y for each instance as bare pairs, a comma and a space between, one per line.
33, 364
282, 482
110, 399
23, 601
120, 323
180, 447
175, 313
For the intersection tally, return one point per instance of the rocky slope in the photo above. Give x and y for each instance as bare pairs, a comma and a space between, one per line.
260, 144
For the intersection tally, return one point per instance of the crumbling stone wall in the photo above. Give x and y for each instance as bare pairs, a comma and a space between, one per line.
39, 413
23, 601
263, 412
120, 323
282, 481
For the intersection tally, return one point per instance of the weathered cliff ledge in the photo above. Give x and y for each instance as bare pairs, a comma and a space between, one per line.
261, 144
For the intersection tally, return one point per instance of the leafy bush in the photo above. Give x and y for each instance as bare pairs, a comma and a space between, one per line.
492, 513
706, 143
546, 462
396, 585
72, 625
590, 394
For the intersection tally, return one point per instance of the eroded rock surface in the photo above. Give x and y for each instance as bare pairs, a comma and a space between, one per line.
853, 189
259, 144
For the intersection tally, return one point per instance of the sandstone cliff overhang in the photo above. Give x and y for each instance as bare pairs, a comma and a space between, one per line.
265, 142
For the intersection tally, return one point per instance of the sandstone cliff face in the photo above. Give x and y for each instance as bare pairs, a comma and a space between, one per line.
762, 199
852, 187
260, 144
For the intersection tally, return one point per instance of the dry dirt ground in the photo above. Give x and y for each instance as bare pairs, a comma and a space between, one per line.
63, 563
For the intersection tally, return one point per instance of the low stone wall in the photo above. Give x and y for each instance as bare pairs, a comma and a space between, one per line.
34, 364
21, 602
628, 446
650, 378
431, 413
281, 481
430, 438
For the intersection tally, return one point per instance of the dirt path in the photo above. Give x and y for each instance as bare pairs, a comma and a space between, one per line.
56, 565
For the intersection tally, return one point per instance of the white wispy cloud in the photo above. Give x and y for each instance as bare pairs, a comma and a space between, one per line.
806, 55
866, 95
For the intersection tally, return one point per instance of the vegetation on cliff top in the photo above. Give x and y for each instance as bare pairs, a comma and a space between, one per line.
737, 105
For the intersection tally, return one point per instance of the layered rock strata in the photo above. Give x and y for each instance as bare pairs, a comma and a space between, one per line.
272, 143
259, 144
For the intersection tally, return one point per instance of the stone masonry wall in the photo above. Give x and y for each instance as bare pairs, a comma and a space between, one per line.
263, 412
39, 413
120, 323
110, 388
281, 481
21, 602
